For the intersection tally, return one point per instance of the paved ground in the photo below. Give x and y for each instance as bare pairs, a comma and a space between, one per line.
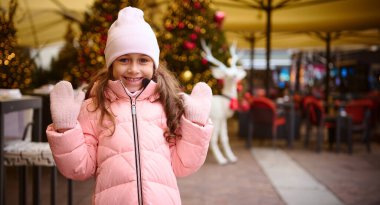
243, 183
352, 179
294, 184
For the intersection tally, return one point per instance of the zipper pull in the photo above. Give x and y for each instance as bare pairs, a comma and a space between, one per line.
133, 109
133, 106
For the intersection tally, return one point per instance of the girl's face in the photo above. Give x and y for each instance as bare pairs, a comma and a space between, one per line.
131, 69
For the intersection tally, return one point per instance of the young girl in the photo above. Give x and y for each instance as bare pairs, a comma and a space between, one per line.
135, 132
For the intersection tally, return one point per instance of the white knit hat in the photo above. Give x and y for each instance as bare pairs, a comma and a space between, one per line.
131, 34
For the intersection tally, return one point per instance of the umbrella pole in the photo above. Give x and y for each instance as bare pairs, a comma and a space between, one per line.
298, 70
252, 42
268, 10
328, 62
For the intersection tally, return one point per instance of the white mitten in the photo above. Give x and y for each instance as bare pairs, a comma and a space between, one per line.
198, 103
65, 105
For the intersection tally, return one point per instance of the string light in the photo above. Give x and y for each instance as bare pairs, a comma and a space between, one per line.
16, 66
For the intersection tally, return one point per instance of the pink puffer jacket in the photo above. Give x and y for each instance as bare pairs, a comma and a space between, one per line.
88, 150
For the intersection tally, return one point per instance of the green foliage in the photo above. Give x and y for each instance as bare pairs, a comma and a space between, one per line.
186, 23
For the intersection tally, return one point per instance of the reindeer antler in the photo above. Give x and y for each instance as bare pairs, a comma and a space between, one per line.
210, 58
234, 55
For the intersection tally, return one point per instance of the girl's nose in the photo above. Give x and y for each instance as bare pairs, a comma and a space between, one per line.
133, 68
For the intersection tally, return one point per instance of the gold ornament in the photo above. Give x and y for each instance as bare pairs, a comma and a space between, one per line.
186, 75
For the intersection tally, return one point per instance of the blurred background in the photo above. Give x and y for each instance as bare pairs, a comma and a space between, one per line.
305, 128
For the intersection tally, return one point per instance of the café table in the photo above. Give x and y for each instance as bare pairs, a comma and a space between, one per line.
12, 105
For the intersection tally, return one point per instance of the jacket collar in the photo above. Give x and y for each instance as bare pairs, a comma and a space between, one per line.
115, 91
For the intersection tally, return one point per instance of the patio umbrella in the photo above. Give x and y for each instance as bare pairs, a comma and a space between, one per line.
287, 23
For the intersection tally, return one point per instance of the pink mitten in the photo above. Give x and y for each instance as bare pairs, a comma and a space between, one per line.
198, 103
65, 106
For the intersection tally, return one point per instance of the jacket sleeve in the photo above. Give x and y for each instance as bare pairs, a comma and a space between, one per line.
74, 151
189, 152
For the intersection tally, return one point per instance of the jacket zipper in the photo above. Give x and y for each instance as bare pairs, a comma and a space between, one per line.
137, 151
136, 145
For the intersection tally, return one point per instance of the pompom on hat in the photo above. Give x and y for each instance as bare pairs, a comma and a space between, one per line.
130, 33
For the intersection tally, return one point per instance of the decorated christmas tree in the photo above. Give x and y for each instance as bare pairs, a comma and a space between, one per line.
15, 62
185, 24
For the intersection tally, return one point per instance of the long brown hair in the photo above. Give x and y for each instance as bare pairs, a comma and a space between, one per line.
167, 88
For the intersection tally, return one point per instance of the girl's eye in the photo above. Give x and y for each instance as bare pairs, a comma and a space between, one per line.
144, 60
123, 60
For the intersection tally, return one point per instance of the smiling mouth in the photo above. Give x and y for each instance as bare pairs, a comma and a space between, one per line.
132, 79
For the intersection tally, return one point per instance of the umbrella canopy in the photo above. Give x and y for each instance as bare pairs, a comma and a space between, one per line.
298, 23
42, 22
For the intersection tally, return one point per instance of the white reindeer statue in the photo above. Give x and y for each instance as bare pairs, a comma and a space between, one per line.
220, 107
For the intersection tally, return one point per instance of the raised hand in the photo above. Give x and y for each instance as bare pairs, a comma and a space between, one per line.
65, 105
198, 103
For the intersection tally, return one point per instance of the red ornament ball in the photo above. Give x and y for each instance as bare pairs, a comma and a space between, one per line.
181, 25
204, 61
193, 36
219, 17
189, 45
197, 5
234, 104
109, 18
